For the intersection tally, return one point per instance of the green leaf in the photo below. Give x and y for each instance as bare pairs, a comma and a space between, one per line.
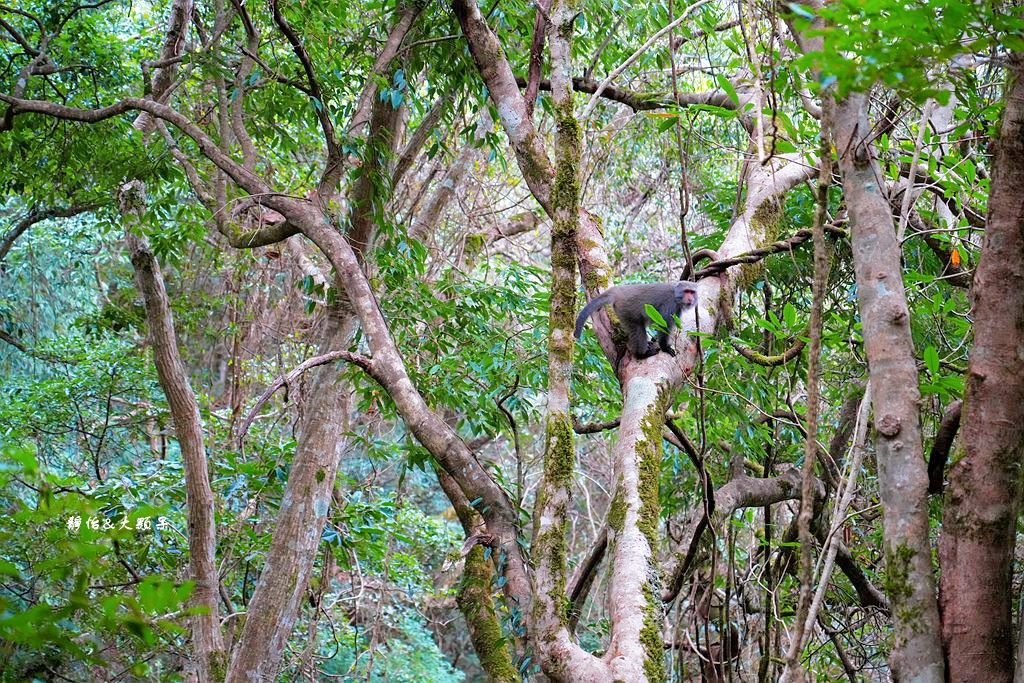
725, 85
657, 321
931, 359
789, 315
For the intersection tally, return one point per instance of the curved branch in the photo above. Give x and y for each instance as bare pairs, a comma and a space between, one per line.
754, 255
35, 216
19, 39
771, 361
867, 592
741, 492
246, 179
356, 359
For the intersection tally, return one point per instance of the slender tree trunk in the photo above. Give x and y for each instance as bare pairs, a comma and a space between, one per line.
275, 604
207, 641
321, 441
902, 477
979, 524
158, 88
561, 658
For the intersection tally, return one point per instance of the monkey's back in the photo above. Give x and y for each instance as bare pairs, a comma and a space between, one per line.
629, 300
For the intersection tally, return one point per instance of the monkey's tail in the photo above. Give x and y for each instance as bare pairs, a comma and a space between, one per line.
588, 310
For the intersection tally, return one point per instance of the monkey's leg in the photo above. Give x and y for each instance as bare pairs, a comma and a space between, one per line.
665, 343
639, 345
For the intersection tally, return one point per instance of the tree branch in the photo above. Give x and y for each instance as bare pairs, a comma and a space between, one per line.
174, 43
319, 105
35, 216
245, 178
356, 359
754, 255
642, 101
540, 23
939, 455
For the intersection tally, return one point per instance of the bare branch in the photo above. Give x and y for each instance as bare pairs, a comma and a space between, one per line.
31, 17
13, 341
35, 216
356, 359
741, 492
593, 427
636, 55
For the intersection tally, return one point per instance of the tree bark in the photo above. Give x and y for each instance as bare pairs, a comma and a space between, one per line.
275, 604
560, 656
903, 480
475, 594
167, 66
979, 524
207, 641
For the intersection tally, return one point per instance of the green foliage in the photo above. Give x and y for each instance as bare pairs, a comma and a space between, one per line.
905, 45
66, 596
473, 342
84, 426
409, 656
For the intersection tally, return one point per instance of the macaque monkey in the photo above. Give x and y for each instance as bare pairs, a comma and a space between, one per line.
669, 298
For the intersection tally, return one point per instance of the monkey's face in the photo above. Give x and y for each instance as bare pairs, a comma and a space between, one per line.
686, 294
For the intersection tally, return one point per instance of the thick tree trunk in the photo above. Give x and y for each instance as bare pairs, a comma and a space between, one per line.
902, 478
979, 524
207, 641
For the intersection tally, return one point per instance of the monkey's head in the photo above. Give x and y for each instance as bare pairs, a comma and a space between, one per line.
685, 293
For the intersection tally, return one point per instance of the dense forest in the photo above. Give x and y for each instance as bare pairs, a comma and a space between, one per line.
292, 384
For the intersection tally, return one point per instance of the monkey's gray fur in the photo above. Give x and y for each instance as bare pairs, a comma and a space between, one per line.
668, 298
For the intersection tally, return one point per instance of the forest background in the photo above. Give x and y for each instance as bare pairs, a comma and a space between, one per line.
290, 389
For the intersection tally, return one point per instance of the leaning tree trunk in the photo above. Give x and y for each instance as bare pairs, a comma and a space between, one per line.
979, 523
322, 441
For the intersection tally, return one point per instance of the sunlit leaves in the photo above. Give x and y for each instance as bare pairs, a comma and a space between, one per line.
904, 45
